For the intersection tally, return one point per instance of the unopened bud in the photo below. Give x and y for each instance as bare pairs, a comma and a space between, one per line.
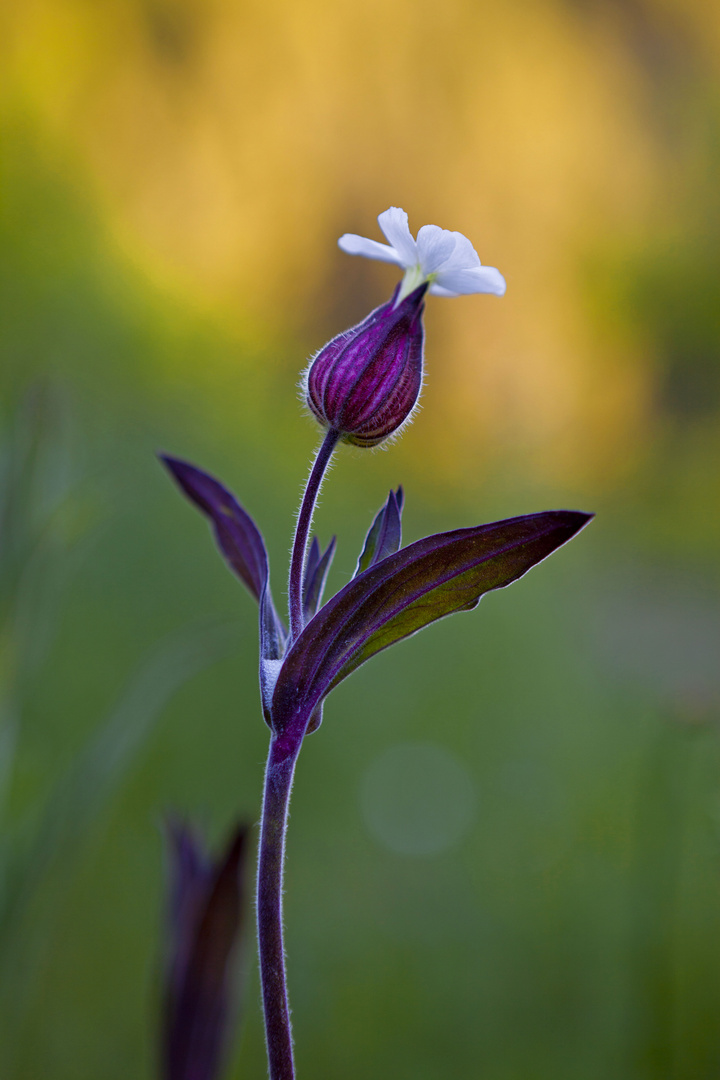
365, 383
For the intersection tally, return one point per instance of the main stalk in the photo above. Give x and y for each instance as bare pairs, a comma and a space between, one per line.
278, 1033
276, 798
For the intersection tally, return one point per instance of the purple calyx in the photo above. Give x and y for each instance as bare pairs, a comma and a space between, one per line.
365, 383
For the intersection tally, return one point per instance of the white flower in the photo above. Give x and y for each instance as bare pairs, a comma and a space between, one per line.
446, 259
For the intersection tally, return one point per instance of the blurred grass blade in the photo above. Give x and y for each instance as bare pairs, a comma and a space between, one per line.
98, 771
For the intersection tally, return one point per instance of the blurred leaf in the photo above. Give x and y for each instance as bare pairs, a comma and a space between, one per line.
41, 521
206, 924
36, 473
95, 775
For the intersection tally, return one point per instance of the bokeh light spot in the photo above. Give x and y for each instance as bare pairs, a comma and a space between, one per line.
417, 799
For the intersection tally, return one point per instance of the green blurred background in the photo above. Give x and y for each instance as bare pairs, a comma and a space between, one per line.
504, 854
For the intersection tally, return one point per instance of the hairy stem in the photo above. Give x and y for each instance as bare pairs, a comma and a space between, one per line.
278, 783
302, 532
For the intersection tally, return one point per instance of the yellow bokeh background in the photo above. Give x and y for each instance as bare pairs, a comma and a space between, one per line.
227, 145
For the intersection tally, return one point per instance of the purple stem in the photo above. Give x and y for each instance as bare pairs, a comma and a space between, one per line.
302, 532
278, 783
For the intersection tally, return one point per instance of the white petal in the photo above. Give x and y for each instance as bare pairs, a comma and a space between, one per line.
479, 279
394, 223
435, 246
353, 244
463, 257
437, 290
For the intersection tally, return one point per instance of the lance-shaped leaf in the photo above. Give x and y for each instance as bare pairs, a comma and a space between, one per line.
205, 928
385, 533
313, 558
398, 596
316, 575
242, 545
272, 647
316, 572
237, 535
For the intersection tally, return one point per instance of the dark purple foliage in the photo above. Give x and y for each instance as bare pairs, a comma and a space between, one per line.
398, 596
205, 927
237, 535
316, 573
385, 535
314, 585
239, 540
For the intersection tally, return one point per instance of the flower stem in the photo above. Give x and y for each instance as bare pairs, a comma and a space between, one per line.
302, 532
278, 783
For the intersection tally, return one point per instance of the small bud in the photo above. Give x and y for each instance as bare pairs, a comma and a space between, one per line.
365, 383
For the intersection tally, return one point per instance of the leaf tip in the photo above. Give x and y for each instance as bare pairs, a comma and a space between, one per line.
175, 466
577, 520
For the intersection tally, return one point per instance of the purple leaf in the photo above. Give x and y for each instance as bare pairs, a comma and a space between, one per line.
398, 596
237, 535
385, 533
313, 558
240, 541
316, 719
206, 923
272, 647
316, 575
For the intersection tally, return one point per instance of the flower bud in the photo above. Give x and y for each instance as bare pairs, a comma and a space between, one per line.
365, 383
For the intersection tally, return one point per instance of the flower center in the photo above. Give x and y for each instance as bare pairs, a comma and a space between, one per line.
413, 278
